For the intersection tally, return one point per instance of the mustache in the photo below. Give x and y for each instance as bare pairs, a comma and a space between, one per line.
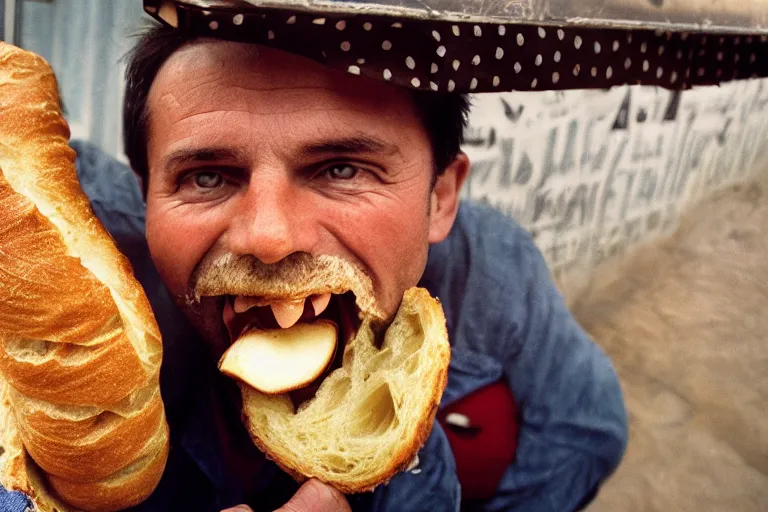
296, 276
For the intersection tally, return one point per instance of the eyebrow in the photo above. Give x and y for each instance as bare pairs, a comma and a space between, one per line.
184, 157
360, 144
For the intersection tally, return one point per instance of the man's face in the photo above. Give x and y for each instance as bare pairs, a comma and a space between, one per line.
256, 152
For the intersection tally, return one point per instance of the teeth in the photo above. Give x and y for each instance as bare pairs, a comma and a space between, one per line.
287, 313
320, 302
243, 304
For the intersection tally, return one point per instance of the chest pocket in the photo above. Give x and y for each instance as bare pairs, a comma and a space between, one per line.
480, 419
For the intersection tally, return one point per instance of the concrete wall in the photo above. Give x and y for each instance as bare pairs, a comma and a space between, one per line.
593, 174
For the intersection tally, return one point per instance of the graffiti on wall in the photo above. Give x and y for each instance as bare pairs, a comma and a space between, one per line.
592, 173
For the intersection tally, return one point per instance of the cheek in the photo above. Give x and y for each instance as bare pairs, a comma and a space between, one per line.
391, 241
177, 242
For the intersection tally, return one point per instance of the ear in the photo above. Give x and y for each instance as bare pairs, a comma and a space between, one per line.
444, 199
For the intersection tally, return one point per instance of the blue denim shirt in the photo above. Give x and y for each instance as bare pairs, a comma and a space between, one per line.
505, 319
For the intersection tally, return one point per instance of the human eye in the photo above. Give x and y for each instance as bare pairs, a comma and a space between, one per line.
343, 171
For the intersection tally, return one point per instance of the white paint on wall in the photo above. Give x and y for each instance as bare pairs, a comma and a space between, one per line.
593, 173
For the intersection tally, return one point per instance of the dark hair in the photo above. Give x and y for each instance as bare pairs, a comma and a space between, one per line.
444, 115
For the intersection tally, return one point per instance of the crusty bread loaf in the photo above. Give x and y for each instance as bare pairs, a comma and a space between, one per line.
369, 418
80, 351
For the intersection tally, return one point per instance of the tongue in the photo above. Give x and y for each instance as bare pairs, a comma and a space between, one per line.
287, 313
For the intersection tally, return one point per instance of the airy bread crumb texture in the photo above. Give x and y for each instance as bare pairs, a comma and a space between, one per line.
370, 417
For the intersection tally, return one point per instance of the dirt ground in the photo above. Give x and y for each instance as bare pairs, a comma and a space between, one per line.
687, 328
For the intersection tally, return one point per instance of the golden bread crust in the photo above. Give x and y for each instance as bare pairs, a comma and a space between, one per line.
82, 415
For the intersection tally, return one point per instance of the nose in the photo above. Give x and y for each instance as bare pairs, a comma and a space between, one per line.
268, 223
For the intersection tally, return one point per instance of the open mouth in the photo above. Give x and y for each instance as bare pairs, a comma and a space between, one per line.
274, 327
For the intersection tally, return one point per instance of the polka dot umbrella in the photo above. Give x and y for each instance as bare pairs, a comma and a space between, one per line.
461, 52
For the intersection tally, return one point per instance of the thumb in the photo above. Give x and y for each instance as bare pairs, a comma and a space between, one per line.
315, 496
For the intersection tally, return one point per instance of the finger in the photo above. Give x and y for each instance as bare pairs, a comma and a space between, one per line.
315, 496
239, 508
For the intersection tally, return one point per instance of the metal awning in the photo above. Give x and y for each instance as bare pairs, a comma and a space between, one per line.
711, 16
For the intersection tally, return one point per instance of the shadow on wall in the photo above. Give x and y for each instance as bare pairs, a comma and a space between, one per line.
686, 325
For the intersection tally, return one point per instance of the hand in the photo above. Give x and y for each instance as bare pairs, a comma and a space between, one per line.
313, 496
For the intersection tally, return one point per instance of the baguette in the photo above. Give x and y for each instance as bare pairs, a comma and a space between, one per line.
83, 423
369, 417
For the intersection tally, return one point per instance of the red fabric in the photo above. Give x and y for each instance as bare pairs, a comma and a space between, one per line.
485, 450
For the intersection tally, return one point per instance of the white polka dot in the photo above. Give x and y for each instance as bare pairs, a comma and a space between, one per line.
644, 47
520, 40
354, 70
451, 85
609, 72
598, 48
684, 36
679, 54
555, 77
646, 65
436, 35
433, 86
345, 46
476, 60
341, 25
539, 60
534, 83
291, 20
558, 56
433, 68
319, 21
367, 26
629, 37
576, 69
361, 61
616, 45
441, 51
387, 74
496, 81
270, 34
206, 13
627, 63
560, 34
518, 67
478, 31
594, 71
456, 65
214, 25
719, 73
386, 45
673, 77
455, 30
499, 52
736, 57
502, 30
410, 62
719, 55
577, 42
237, 19
397, 24
473, 84
701, 71
415, 82
542, 33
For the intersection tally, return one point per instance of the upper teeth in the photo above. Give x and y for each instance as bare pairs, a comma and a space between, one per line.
286, 312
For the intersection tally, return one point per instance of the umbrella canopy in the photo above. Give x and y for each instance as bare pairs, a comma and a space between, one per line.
480, 46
